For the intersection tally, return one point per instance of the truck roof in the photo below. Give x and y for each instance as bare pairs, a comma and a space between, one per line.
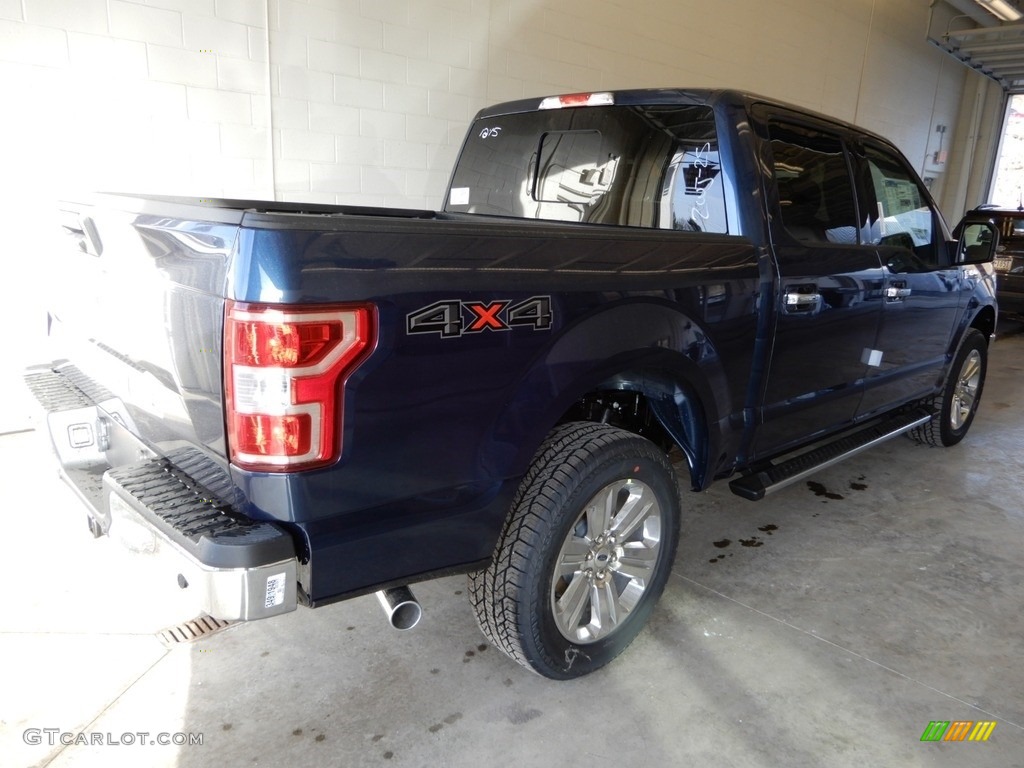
634, 98
642, 97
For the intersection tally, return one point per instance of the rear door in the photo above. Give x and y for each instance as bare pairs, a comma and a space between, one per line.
924, 293
830, 284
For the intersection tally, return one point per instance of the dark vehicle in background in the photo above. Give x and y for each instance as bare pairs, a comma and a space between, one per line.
1009, 260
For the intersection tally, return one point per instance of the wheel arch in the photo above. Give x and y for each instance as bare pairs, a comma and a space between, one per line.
663, 405
650, 350
984, 321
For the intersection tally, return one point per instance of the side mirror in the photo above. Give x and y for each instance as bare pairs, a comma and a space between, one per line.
978, 240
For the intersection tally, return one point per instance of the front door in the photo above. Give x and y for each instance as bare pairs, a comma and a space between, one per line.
923, 291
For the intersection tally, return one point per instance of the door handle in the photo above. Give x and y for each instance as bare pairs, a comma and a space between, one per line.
802, 299
897, 290
83, 231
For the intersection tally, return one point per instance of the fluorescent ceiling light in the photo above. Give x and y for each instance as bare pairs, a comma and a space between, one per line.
1001, 9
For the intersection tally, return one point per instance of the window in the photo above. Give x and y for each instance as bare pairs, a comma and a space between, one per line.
692, 193
902, 215
653, 166
571, 168
813, 179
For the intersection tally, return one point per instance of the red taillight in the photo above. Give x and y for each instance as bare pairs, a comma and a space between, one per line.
284, 374
287, 345
261, 434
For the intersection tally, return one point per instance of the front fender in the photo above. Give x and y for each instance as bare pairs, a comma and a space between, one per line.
981, 306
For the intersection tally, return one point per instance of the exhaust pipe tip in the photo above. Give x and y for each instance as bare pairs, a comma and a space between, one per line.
402, 609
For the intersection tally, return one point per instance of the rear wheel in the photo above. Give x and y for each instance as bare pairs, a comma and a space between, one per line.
585, 553
960, 396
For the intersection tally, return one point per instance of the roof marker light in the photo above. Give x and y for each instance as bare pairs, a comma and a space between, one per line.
604, 99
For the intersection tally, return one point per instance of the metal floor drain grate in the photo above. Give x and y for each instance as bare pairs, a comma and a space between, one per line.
189, 631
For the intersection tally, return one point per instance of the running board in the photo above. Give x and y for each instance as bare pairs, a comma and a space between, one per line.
771, 477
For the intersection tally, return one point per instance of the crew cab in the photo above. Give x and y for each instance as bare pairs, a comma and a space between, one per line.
299, 404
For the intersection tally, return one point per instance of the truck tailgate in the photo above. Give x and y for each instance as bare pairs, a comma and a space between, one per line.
134, 399
139, 311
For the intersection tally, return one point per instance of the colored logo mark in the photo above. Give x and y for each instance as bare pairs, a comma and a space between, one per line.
958, 730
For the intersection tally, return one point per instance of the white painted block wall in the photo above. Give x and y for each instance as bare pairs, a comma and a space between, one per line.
366, 101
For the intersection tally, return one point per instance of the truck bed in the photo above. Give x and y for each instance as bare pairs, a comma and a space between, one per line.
142, 320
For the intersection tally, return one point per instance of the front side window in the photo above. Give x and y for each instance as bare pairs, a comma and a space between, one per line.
902, 216
812, 176
654, 166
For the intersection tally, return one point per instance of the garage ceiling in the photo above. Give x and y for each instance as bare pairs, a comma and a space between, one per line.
981, 41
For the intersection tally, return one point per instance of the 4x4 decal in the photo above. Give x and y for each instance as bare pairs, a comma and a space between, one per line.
452, 319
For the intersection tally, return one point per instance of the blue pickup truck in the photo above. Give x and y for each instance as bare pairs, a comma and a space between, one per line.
298, 404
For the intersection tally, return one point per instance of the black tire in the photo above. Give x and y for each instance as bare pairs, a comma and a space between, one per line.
565, 625
961, 394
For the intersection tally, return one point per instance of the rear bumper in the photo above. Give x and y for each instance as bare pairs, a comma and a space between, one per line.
177, 508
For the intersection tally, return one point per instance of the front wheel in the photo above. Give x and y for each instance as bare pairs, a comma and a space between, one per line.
585, 552
961, 394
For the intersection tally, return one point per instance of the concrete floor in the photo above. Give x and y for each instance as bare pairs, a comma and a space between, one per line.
842, 618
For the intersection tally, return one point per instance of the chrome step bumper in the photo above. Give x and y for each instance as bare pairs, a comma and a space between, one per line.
179, 508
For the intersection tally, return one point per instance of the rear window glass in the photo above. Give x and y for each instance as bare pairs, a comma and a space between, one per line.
656, 167
571, 168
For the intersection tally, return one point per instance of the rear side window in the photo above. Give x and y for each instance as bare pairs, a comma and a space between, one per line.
812, 175
656, 167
